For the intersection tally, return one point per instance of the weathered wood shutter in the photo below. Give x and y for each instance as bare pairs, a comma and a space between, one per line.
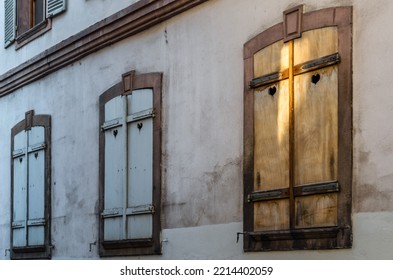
300, 135
29, 184
9, 21
54, 7
128, 185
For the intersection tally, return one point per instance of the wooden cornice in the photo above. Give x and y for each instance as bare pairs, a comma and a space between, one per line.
125, 23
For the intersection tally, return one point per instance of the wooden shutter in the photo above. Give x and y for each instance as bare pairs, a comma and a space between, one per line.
128, 205
297, 172
115, 165
28, 223
130, 166
19, 211
9, 21
54, 7
140, 162
36, 186
30, 188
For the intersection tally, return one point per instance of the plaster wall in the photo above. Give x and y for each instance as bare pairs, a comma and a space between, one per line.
200, 54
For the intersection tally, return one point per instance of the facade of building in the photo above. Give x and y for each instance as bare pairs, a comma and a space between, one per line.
196, 129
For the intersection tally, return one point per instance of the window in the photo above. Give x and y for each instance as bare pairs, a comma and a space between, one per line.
298, 133
30, 188
28, 19
130, 173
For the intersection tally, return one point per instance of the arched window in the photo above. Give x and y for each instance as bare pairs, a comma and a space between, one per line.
130, 166
298, 133
30, 187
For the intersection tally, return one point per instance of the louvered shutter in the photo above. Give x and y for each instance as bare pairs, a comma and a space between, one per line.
9, 22
54, 7
115, 165
140, 163
19, 211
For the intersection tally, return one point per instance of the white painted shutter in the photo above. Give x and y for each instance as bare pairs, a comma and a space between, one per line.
114, 129
20, 190
36, 186
9, 22
54, 7
140, 164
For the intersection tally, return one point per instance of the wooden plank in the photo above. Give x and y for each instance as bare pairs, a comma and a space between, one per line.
271, 166
271, 215
271, 59
315, 44
316, 210
316, 139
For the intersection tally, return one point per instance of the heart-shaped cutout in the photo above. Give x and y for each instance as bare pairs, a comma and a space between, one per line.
272, 91
315, 78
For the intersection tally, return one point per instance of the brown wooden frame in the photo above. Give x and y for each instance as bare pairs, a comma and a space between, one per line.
35, 29
132, 81
339, 236
35, 252
123, 24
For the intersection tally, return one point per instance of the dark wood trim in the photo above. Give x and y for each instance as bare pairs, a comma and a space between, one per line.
297, 239
341, 17
45, 251
144, 246
123, 24
33, 33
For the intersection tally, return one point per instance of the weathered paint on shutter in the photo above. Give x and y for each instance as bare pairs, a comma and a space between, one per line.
316, 128
36, 186
54, 7
114, 169
140, 158
9, 21
19, 190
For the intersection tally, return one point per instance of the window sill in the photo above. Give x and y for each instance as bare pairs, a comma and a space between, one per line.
33, 33
30, 252
299, 239
133, 247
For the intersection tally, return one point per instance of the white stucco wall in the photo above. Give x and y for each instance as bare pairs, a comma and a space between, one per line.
200, 54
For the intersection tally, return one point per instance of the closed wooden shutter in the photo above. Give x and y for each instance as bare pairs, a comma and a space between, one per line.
297, 151
36, 186
115, 165
140, 159
28, 223
19, 211
54, 7
128, 201
9, 21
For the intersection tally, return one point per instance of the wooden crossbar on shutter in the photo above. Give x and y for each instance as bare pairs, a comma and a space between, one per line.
9, 21
54, 7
